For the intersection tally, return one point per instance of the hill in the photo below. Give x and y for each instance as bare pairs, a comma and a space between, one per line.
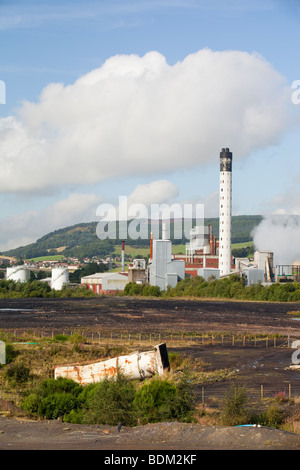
81, 240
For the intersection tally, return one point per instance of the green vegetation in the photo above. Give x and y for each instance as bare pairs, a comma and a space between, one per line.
33, 288
294, 313
26, 378
81, 240
234, 287
87, 270
141, 289
237, 411
242, 250
48, 258
110, 402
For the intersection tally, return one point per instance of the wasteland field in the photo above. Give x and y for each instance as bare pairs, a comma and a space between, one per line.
236, 343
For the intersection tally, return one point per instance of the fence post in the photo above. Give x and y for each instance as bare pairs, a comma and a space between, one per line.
290, 391
202, 395
262, 392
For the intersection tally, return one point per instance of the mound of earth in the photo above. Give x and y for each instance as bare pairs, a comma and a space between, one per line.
24, 434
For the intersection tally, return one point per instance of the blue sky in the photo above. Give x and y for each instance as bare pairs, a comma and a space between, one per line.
63, 42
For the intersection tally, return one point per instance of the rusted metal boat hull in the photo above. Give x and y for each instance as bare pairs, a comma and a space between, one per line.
137, 365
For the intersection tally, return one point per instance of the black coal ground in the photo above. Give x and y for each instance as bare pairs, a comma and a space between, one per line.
151, 315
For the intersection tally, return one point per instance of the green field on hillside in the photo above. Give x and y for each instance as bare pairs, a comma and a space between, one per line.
47, 258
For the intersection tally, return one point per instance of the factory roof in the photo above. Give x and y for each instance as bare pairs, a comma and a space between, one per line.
105, 275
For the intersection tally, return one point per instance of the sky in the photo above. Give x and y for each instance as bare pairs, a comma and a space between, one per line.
110, 98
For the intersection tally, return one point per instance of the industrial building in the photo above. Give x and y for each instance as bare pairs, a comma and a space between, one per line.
105, 283
18, 273
59, 278
260, 269
163, 270
206, 255
137, 271
287, 272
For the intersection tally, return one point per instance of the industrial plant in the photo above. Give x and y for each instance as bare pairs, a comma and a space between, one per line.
206, 255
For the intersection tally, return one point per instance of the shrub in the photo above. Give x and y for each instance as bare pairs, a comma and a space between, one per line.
58, 404
160, 400
17, 374
111, 402
273, 416
233, 410
54, 398
61, 384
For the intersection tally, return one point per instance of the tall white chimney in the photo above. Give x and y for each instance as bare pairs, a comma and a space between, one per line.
225, 212
123, 257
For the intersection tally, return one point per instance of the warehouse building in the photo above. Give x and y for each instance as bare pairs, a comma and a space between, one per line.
105, 283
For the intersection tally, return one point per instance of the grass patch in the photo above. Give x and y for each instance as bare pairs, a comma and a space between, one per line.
294, 313
48, 258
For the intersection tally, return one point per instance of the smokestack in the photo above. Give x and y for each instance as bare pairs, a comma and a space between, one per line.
225, 212
164, 231
151, 245
123, 256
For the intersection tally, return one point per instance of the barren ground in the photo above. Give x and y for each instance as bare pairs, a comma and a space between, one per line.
253, 366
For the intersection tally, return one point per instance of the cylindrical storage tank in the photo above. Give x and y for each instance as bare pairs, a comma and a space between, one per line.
18, 273
59, 278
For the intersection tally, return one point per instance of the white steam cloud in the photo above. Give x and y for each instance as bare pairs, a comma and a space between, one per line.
139, 115
280, 234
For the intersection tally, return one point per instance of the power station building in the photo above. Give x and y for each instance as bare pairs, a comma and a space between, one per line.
163, 270
207, 255
105, 283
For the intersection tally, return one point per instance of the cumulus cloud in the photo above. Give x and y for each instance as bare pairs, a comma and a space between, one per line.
138, 203
140, 116
23, 229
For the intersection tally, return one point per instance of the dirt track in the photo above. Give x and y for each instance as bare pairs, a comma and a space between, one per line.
254, 365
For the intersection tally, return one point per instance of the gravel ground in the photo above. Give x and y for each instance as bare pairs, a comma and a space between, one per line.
55, 435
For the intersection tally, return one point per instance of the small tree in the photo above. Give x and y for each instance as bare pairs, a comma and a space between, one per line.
111, 402
233, 411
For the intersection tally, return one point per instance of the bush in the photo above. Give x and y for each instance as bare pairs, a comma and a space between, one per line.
141, 289
17, 374
159, 400
273, 416
54, 398
233, 410
112, 402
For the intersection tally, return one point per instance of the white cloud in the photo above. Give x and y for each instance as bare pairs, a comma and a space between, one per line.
280, 234
155, 192
23, 229
140, 116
